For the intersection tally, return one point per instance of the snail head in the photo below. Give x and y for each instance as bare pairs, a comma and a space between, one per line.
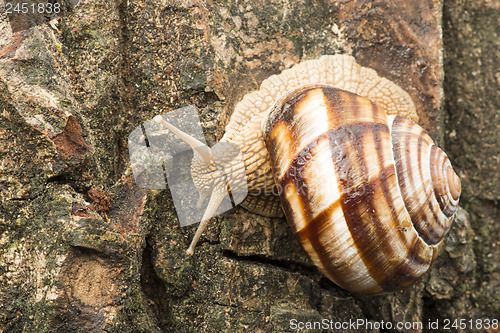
216, 172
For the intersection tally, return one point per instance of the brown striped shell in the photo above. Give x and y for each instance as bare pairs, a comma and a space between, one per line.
369, 195
365, 189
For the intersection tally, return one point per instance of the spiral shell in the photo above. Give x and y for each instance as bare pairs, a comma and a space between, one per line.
369, 195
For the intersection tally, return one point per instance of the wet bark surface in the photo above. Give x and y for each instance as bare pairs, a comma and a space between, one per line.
84, 249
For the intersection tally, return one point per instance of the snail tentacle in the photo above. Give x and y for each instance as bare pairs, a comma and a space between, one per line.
218, 194
194, 143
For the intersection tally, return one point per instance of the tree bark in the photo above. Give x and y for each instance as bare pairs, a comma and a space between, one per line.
84, 249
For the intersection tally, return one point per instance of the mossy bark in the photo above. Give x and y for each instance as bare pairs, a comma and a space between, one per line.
472, 139
83, 249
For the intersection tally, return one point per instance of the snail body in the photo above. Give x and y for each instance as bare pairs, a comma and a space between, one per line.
364, 188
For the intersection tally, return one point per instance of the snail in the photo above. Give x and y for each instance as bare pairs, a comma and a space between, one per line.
365, 189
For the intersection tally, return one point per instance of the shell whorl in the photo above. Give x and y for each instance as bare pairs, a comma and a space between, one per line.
333, 159
428, 183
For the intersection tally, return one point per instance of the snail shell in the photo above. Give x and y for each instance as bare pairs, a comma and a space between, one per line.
369, 195
365, 189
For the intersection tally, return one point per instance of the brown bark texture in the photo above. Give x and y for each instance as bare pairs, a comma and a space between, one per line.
84, 249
